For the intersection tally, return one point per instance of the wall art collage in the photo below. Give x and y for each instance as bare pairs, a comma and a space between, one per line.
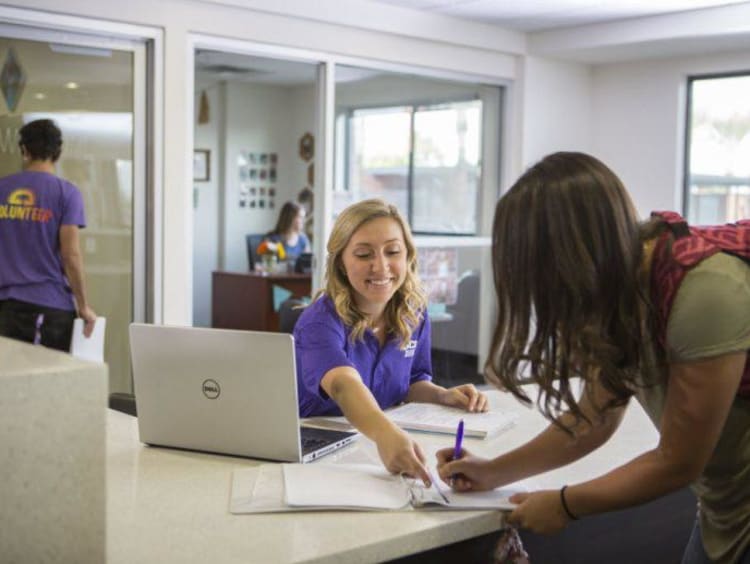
258, 172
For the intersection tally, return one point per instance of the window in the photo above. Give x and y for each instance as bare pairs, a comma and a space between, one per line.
432, 147
717, 178
425, 159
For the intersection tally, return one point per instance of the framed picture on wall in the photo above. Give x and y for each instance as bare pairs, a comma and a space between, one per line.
201, 165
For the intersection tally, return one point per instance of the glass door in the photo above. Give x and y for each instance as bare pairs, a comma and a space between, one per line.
94, 88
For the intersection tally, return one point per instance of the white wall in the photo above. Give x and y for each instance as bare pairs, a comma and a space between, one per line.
555, 108
262, 119
302, 112
251, 118
631, 115
257, 122
638, 116
206, 202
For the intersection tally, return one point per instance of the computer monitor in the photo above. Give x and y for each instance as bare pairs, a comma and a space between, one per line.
303, 264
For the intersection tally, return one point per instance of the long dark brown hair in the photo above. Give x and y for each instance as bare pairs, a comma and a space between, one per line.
567, 249
287, 215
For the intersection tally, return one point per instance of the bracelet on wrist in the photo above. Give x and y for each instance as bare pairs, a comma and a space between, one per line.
565, 507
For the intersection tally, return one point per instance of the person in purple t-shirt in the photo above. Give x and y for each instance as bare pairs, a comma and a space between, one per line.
41, 268
364, 344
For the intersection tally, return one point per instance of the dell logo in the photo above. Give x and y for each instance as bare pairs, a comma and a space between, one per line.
211, 389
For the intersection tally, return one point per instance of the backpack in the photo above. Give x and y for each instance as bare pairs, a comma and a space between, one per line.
689, 246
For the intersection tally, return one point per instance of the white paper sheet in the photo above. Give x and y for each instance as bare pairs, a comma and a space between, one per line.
88, 348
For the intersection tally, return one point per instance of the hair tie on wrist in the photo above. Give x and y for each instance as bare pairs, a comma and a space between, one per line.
567, 510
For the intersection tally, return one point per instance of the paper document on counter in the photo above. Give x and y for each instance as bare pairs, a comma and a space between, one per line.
433, 418
352, 487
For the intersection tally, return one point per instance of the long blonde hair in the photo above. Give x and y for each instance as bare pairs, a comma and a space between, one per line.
405, 309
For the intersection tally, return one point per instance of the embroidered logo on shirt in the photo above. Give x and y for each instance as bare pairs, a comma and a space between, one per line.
410, 349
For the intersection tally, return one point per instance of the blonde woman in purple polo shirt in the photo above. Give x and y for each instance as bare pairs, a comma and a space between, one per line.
364, 344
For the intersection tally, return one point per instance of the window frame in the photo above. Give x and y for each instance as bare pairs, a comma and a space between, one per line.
686, 163
414, 106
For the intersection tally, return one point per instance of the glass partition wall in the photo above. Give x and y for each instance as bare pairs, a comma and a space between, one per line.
90, 87
254, 139
413, 141
422, 143
429, 145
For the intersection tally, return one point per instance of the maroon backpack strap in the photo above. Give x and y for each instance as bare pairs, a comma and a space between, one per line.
677, 224
679, 249
676, 251
689, 245
666, 275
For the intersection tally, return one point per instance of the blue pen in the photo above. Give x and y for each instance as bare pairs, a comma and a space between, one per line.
457, 448
459, 440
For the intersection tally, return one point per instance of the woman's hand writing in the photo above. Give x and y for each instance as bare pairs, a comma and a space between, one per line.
468, 473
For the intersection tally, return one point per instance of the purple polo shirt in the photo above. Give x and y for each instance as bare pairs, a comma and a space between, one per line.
322, 343
33, 206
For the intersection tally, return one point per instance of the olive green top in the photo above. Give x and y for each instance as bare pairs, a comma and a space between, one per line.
710, 316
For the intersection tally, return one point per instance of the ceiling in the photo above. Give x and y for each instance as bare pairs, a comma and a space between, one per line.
542, 15
539, 18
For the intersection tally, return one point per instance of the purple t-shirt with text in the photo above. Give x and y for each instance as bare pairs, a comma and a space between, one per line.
33, 206
322, 343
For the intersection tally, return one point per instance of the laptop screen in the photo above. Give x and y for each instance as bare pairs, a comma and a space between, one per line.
232, 392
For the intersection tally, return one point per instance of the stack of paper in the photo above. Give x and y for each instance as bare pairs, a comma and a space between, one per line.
432, 418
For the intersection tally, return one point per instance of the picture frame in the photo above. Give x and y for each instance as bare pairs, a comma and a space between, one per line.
201, 165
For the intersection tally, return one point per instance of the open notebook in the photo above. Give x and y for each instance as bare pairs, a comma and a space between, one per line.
433, 418
274, 488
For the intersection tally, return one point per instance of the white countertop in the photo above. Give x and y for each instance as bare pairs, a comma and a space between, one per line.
166, 505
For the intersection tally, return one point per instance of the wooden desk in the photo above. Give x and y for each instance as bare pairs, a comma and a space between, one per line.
244, 300
166, 505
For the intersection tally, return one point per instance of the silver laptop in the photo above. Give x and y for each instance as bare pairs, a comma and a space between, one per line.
216, 390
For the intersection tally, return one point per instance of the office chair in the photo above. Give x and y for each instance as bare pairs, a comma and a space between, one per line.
252, 241
461, 334
289, 311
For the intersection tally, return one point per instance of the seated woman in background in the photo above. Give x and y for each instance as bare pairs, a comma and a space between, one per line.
288, 232
364, 344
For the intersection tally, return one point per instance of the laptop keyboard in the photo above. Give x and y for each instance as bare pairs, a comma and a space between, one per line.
314, 439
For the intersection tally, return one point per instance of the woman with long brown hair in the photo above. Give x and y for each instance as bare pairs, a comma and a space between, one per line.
288, 232
580, 315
